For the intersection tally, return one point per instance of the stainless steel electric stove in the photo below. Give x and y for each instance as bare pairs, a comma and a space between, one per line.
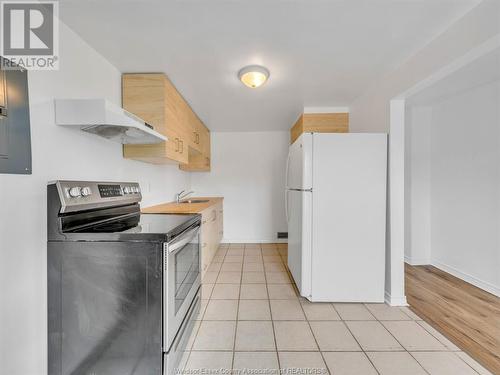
123, 287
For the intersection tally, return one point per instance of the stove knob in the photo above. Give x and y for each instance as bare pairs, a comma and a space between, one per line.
86, 191
137, 189
126, 190
74, 192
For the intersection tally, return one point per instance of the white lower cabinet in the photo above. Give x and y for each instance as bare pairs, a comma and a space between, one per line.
211, 234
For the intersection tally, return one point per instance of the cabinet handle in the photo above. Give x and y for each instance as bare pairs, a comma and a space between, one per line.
176, 144
182, 146
197, 138
208, 162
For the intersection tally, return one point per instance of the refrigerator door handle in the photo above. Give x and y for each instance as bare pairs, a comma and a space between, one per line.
286, 206
287, 168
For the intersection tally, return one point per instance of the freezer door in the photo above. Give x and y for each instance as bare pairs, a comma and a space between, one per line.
299, 205
299, 164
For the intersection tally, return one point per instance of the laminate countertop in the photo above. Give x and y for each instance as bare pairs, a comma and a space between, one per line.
183, 208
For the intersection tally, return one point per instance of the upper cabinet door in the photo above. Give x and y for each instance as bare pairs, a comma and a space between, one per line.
144, 96
199, 161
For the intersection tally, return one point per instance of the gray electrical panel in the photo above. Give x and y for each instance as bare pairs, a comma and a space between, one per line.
15, 138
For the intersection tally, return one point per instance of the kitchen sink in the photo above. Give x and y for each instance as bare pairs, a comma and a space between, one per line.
194, 201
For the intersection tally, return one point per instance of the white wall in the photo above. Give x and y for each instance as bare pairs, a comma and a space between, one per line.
465, 180
248, 170
418, 185
58, 153
454, 188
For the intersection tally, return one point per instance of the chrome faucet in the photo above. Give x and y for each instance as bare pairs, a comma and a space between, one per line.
182, 194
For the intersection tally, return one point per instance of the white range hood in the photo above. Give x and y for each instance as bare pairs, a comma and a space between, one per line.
103, 118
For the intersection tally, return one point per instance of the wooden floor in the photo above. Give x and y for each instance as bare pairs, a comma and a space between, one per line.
466, 315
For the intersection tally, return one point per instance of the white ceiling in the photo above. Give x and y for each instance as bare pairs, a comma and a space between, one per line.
483, 70
320, 53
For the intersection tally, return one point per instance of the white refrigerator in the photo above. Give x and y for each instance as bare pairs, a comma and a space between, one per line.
336, 213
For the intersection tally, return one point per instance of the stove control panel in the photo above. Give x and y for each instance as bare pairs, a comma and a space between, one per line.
85, 191
107, 191
89, 195
74, 192
131, 190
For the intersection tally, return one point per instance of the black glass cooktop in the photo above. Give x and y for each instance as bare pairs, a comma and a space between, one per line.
138, 227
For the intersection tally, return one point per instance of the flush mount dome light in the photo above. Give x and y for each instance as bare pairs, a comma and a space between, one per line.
253, 76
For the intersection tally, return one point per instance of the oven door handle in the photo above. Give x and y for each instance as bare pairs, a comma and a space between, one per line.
182, 240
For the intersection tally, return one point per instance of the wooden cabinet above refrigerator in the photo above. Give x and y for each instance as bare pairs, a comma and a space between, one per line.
320, 123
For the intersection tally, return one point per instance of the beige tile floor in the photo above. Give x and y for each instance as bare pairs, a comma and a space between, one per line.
253, 321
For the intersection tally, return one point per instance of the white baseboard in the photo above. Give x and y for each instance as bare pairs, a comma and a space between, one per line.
395, 301
417, 261
490, 288
275, 240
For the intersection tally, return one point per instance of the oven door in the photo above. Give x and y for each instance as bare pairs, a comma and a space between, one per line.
181, 280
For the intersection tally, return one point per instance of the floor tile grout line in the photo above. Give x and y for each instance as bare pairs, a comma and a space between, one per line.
271, 315
308, 321
316, 320
333, 307
416, 350
361, 347
313, 351
468, 364
437, 338
201, 317
315, 339
369, 311
237, 313
203, 314
390, 333
423, 368
404, 312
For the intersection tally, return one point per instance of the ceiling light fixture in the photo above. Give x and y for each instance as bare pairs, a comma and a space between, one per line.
253, 76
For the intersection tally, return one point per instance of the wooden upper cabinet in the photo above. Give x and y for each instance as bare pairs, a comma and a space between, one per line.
152, 97
200, 161
320, 123
194, 132
199, 150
